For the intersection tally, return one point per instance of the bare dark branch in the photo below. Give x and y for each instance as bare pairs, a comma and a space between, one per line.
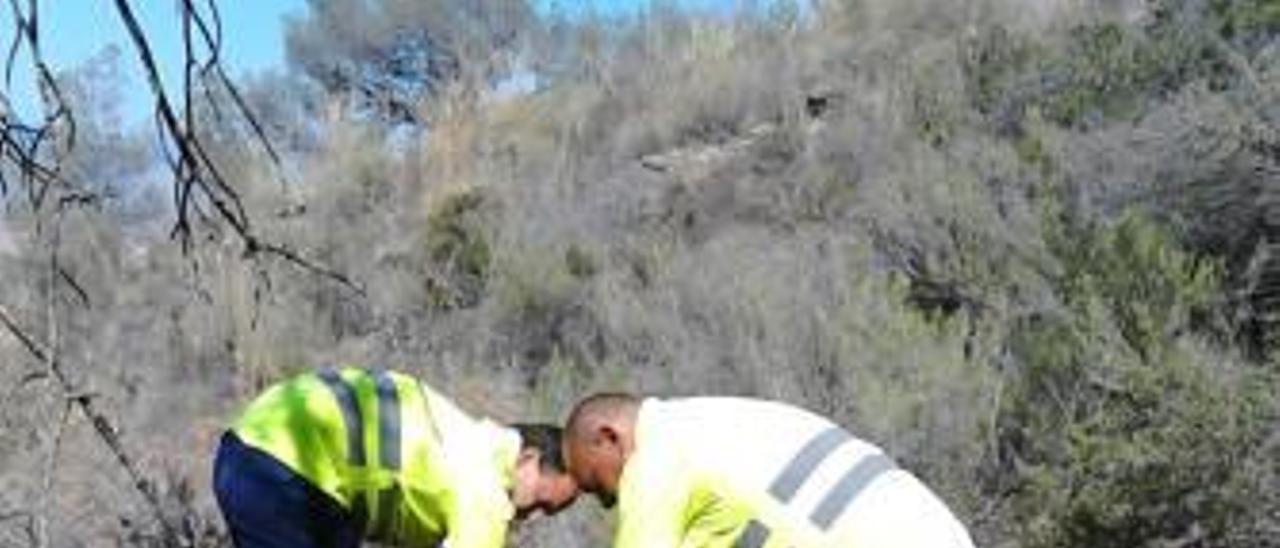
292, 257
50, 474
195, 173
75, 286
14, 514
102, 426
213, 42
22, 144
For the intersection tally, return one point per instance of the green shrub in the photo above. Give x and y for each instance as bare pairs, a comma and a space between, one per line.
1245, 18
580, 262
459, 248
1109, 70
1138, 275
995, 61
1122, 428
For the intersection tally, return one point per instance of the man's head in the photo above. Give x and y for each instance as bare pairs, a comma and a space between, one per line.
541, 480
599, 438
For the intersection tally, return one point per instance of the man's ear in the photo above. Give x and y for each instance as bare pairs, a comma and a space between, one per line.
528, 454
610, 435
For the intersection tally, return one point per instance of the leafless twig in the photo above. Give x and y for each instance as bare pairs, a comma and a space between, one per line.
32, 153
39, 521
102, 426
196, 175
50, 472
25, 145
291, 256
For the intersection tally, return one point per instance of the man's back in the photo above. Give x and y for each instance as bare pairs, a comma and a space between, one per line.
740, 472
401, 458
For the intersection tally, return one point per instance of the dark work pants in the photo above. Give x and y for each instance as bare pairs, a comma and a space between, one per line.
268, 505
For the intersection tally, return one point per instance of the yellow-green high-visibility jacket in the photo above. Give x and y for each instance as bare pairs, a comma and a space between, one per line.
403, 459
730, 472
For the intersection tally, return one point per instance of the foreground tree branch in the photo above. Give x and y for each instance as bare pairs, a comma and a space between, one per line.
31, 158
196, 175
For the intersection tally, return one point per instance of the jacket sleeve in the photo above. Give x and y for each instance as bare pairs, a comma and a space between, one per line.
479, 523
481, 509
652, 502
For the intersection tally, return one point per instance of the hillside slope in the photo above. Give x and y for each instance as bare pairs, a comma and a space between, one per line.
1033, 257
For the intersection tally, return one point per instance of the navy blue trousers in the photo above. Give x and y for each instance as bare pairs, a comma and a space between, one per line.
268, 505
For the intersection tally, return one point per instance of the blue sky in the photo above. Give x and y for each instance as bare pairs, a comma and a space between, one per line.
73, 31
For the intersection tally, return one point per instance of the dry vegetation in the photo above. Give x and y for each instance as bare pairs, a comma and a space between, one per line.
1028, 247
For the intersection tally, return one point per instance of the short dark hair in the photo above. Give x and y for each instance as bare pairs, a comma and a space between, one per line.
545, 439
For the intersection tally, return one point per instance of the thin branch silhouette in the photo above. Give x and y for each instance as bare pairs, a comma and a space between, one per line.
196, 175
102, 425
31, 159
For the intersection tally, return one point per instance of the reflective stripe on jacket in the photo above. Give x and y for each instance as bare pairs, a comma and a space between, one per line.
731, 472
402, 458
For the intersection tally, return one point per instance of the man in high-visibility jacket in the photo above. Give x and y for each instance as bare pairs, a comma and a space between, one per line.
334, 457
732, 472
